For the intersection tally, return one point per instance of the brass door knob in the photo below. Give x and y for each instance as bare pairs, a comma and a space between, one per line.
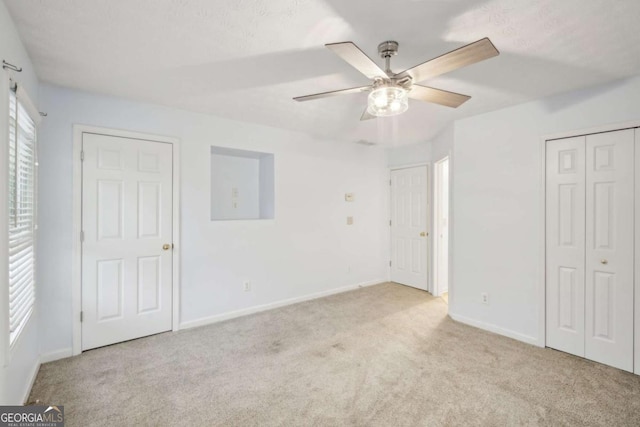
166, 247
423, 234
604, 261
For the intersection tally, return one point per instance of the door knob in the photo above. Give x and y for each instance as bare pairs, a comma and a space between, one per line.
604, 261
166, 247
423, 234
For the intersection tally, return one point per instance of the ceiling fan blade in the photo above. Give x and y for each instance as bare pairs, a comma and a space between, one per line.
367, 116
466, 55
437, 96
357, 59
333, 93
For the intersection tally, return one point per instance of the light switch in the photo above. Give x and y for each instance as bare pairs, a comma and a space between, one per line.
349, 220
349, 197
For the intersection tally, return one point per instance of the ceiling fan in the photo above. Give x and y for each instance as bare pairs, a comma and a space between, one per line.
390, 91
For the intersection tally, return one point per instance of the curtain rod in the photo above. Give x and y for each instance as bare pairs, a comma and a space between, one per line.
5, 64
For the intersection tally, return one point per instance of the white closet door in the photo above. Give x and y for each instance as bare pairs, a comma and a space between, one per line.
609, 253
565, 244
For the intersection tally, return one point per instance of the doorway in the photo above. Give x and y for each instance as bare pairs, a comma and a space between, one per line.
409, 219
441, 225
126, 220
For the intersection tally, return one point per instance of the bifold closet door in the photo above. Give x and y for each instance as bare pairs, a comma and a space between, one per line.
565, 241
610, 248
590, 246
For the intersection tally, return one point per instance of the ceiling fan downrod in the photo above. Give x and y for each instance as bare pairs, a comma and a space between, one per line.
387, 50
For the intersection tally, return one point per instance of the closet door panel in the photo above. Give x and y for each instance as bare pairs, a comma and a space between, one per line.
609, 248
565, 244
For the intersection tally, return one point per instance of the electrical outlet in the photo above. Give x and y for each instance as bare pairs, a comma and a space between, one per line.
484, 297
247, 286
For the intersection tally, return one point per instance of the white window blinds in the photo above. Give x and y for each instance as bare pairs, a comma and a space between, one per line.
22, 215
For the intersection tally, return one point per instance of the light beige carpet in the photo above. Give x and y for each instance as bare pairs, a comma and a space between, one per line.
386, 355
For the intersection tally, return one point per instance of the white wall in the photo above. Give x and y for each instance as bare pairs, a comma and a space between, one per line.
306, 249
18, 364
409, 155
498, 198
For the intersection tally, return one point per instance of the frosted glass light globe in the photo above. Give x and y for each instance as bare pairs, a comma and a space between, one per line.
388, 101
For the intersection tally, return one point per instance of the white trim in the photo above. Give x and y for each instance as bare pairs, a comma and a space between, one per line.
429, 224
56, 355
451, 297
437, 200
32, 380
259, 308
497, 330
542, 250
5, 353
589, 131
409, 166
636, 255
76, 282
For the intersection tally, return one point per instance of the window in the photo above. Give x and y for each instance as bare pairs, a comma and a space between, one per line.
22, 215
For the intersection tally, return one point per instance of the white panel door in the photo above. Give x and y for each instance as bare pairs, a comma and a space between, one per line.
610, 245
126, 221
565, 241
409, 227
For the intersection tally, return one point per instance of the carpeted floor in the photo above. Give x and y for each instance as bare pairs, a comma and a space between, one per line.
385, 355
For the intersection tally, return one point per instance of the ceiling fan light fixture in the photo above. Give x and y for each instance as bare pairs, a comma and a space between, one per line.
388, 101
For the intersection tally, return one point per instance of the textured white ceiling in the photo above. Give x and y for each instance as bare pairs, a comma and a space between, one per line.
246, 59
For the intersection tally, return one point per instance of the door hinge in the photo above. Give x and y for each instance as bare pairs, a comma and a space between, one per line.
389, 263
82, 236
82, 156
81, 316
389, 183
389, 223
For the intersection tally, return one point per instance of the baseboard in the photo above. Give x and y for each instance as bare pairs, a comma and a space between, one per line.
56, 355
32, 380
496, 329
258, 308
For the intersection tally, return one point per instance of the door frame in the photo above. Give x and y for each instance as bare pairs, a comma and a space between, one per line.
437, 201
428, 222
542, 291
76, 267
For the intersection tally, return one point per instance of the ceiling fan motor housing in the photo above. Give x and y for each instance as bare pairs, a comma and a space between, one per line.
388, 49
